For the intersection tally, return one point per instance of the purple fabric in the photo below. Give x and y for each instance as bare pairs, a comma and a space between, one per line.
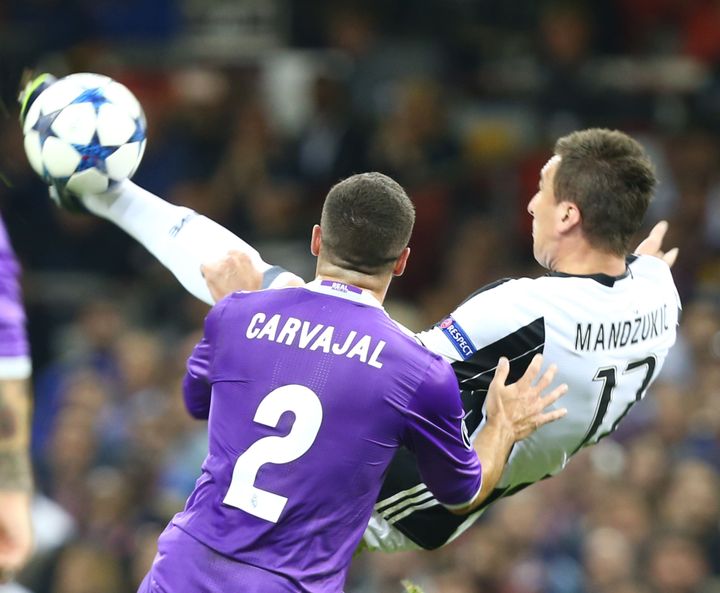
314, 393
13, 338
205, 571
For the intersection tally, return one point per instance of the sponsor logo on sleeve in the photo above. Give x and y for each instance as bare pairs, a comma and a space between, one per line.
458, 338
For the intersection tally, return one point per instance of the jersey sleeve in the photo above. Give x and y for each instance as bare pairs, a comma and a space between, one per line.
14, 348
197, 384
436, 434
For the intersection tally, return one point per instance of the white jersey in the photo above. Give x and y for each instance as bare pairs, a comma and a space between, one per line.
609, 337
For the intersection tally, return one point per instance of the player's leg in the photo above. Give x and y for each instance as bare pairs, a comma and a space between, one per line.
180, 238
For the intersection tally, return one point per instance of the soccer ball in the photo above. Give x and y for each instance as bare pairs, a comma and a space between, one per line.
85, 133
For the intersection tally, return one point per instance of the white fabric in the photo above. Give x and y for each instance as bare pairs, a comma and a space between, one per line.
568, 306
181, 239
15, 367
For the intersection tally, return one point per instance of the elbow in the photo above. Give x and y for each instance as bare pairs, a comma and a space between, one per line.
199, 412
465, 509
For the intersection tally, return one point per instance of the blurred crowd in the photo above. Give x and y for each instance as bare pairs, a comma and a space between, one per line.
254, 109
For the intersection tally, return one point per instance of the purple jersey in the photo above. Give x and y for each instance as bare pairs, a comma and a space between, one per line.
309, 393
14, 350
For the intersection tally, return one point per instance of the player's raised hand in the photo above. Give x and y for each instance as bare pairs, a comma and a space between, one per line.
652, 244
521, 406
514, 412
235, 271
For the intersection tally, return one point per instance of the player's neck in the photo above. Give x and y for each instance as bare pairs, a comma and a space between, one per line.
375, 285
584, 260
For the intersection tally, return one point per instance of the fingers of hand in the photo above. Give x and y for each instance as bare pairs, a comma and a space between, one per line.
553, 396
501, 371
531, 372
670, 257
655, 238
653, 242
214, 268
658, 232
547, 417
546, 378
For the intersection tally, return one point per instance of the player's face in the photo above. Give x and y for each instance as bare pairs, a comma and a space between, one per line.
544, 209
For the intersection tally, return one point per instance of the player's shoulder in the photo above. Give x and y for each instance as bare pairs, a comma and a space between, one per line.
506, 293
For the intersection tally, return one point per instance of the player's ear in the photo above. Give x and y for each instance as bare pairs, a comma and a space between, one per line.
316, 240
401, 262
568, 216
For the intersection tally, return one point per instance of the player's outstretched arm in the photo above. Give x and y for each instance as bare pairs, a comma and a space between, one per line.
15, 477
514, 412
652, 244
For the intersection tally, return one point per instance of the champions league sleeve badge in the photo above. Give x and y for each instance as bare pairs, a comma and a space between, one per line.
458, 338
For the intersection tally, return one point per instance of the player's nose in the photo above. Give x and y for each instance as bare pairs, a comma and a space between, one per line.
530, 207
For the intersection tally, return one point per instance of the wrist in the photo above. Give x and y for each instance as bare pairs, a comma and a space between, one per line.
503, 430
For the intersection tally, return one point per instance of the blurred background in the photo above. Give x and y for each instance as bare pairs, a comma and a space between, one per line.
255, 108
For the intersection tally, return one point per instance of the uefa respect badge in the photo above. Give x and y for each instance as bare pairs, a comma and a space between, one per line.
457, 336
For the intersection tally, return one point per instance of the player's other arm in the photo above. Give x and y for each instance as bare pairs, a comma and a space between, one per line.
652, 244
15, 472
16, 481
197, 383
459, 477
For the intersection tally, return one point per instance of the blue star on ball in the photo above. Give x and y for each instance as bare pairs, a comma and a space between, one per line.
93, 155
43, 126
93, 96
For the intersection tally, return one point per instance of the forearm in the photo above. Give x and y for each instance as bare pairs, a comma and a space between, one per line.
15, 406
492, 445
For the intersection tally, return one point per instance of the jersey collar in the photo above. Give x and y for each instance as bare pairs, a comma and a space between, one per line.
604, 279
343, 291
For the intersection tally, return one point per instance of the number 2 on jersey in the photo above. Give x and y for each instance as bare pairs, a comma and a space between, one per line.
308, 411
608, 376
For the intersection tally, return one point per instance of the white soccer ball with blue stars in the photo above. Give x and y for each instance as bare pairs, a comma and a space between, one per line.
85, 132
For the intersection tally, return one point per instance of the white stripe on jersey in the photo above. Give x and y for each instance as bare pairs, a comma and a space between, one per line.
430, 503
491, 371
387, 503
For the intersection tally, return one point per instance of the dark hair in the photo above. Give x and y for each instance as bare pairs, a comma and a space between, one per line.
611, 179
366, 222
